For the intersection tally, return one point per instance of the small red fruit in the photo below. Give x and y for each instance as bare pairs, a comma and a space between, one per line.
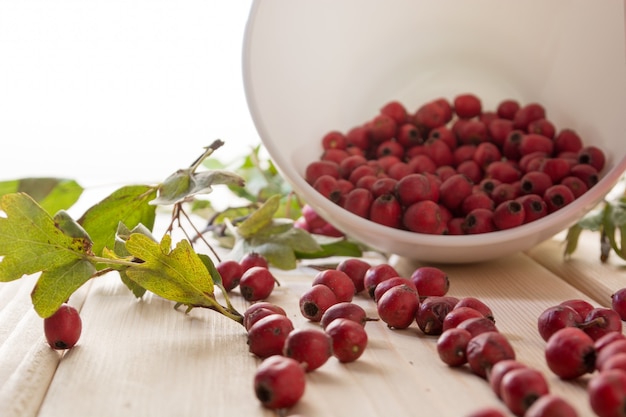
430, 281
63, 328
267, 336
397, 306
315, 301
467, 105
310, 346
349, 339
355, 268
520, 388
607, 393
570, 353
451, 346
257, 283
231, 272
339, 282
485, 350
424, 217
279, 382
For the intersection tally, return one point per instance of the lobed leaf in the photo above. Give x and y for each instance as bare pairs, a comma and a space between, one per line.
128, 205
178, 275
30, 241
55, 286
53, 194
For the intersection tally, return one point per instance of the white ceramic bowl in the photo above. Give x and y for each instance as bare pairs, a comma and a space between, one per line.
314, 66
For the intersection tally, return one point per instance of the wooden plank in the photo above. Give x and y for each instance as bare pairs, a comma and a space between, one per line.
27, 364
583, 269
142, 358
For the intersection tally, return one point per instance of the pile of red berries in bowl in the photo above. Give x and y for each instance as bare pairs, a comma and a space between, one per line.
308, 72
453, 167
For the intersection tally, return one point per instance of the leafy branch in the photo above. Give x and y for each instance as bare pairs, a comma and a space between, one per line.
609, 221
115, 235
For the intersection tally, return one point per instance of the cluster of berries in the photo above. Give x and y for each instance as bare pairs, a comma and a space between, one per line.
454, 167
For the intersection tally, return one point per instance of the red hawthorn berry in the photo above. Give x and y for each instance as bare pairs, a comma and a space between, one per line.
527, 114
445, 134
467, 105
414, 188
471, 170
334, 140
327, 186
503, 171
575, 184
318, 168
350, 164
382, 186
438, 151
472, 132
479, 220
556, 168
587, 173
408, 135
396, 111
504, 192
543, 127
508, 214
424, 217
534, 207
454, 190
386, 210
534, 142
334, 155
422, 163
382, 128
359, 201
63, 328
429, 116
399, 170
359, 137
593, 156
557, 196
498, 130
507, 108
567, 140
478, 199
339, 282
390, 147
486, 153
535, 182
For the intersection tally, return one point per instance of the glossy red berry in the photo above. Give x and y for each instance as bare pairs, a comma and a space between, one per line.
310, 346
451, 346
430, 281
520, 388
397, 306
267, 336
231, 272
570, 353
467, 105
63, 328
257, 283
432, 312
315, 301
485, 350
339, 282
251, 259
279, 382
349, 339
355, 268
386, 210
424, 217
508, 214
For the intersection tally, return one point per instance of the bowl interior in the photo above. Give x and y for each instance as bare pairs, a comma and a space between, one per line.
311, 67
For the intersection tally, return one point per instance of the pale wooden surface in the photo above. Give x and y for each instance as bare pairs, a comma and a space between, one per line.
142, 358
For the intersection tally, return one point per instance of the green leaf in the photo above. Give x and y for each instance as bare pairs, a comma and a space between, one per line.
53, 194
55, 286
339, 248
571, 239
31, 242
128, 205
259, 218
178, 275
186, 183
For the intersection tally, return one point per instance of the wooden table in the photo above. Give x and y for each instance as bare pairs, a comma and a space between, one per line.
143, 358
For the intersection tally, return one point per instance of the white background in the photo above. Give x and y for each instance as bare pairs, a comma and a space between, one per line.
119, 91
